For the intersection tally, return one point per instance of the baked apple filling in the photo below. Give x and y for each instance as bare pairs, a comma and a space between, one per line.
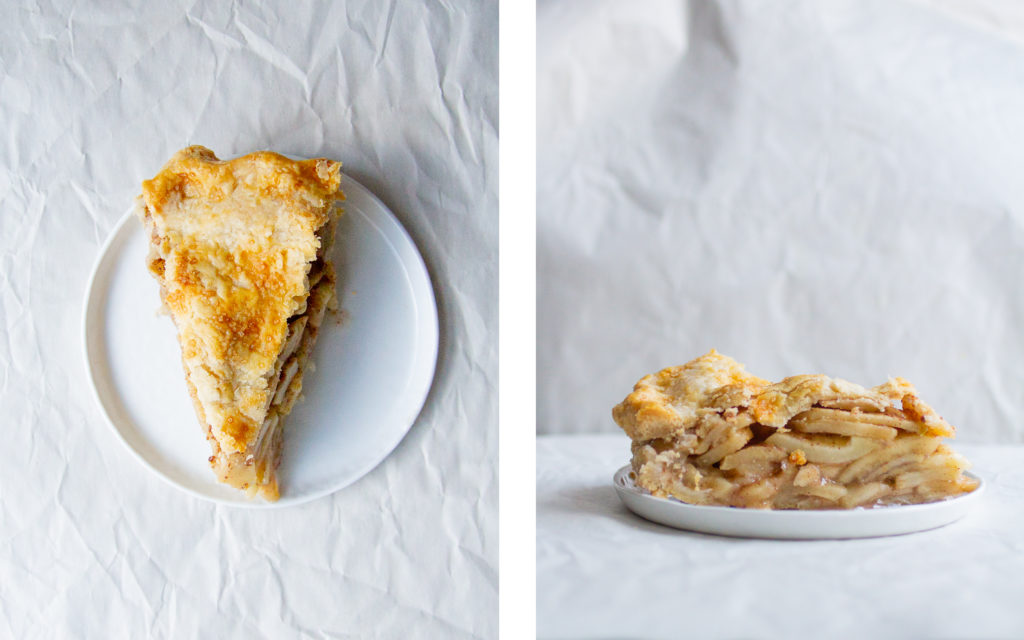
710, 433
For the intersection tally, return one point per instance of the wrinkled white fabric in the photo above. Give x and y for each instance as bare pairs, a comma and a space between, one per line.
94, 97
807, 187
603, 572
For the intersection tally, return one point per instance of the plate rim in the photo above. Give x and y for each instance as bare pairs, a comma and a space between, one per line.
624, 487
418, 390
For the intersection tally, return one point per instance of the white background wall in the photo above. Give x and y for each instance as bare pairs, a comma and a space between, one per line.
808, 187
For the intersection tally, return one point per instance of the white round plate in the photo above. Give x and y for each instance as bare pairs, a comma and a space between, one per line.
793, 525
374, 362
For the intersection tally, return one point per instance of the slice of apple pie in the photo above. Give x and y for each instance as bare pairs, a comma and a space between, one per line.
239, 248
708, 432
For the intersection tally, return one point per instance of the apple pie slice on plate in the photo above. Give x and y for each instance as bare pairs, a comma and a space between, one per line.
346, 420
239, 250
709, 433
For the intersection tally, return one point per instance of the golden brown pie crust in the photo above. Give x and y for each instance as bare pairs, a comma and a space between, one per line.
239, 249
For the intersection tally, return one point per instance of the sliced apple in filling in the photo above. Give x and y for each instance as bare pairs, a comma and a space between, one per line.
708, 432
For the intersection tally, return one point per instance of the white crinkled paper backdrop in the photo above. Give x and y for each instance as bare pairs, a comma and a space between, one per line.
94, 98
807, 187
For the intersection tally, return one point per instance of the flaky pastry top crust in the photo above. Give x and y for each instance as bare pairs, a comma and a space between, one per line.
232, 243
673, 400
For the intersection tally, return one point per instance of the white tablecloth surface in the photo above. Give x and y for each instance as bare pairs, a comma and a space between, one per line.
603, 572
808, 187
94, 97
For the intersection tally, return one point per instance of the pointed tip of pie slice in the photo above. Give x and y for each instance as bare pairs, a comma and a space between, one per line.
269, 490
